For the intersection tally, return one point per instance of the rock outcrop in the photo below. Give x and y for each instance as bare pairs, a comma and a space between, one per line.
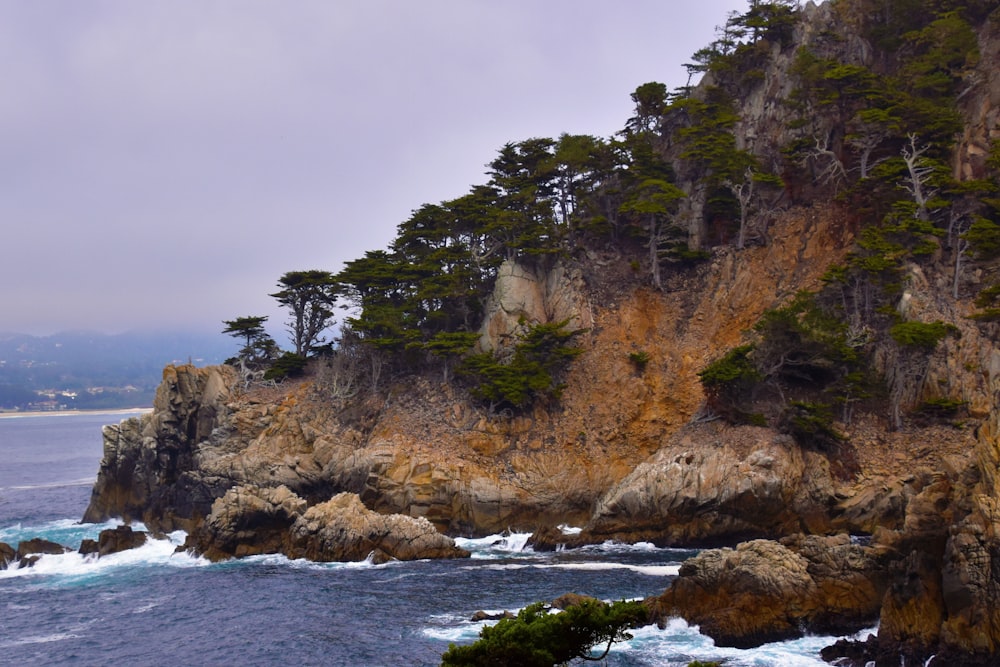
146, 472
764, 591
8, 555
28, 551
113, 540
715, 483
251, 520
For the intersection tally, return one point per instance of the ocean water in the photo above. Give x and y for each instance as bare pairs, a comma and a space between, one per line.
152, 606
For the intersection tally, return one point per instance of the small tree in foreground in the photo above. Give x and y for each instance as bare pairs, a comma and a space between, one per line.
537, 638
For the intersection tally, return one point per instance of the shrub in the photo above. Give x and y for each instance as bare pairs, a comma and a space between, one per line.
530, 374
729, 382
639, 359
537, 638
288, 364
939, 410
923, 335
811, 424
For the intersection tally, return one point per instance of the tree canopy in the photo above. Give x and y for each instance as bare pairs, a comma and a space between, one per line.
540, 638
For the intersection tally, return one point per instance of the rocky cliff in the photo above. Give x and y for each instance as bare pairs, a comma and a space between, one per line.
630, 451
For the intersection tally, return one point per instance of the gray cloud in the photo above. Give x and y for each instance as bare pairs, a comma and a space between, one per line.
164, 163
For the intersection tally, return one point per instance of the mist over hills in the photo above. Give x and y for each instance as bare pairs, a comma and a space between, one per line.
91, 370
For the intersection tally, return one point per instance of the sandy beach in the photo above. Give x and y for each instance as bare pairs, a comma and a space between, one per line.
69, 413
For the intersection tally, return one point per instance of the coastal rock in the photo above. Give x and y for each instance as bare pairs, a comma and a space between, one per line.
247, 521
715, 483
251, 520
423, 448
764, 591
343, 529
28, 551
7, 555
113, 540
145, 472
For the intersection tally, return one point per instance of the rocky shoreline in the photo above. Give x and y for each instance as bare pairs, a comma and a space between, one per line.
226, 469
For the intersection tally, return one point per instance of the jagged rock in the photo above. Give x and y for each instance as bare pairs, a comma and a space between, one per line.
484, 616
7, 555
113, 540
246, 521
28, 551
715, 484
764, 591
549, 538
145, 473
251, 520
343, 529
524, 296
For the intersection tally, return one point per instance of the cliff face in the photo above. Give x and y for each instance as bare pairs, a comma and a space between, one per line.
426, 450
629, 451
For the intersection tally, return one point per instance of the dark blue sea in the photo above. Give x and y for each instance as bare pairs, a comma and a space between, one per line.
152, 606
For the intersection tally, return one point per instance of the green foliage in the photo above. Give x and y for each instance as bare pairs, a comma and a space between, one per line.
729, 381
531, 373
922, 335
984, 238
802, 343
702, 663
639, 359
257, 345
988, 301
938, 410
537, 638
708, 140
811, 424
801, 351
309, 296
943, 52
288, 365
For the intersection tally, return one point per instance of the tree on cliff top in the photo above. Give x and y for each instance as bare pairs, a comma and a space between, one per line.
258, 345
310, 296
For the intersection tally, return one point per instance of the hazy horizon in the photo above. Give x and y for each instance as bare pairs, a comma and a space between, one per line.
166, 163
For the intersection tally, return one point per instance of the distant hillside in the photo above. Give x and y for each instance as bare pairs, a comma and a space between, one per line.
88, 370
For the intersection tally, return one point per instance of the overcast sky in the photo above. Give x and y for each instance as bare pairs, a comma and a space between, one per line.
164, 161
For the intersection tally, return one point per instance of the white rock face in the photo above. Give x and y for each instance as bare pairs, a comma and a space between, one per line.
524, 297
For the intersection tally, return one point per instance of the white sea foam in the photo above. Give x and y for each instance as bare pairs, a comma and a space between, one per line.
465, 632
37, 639
70, 567
570, 530
304, 564
668, 570
682, 643
494, 546
664, 570
62, 531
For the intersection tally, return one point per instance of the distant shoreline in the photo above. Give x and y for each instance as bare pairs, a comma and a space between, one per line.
11, 414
